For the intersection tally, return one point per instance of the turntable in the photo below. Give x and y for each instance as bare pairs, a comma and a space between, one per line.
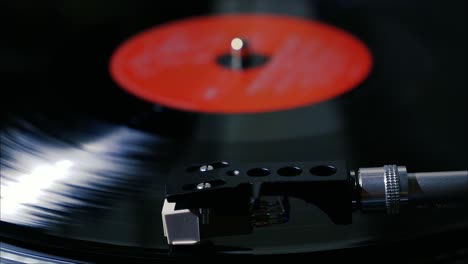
150, 131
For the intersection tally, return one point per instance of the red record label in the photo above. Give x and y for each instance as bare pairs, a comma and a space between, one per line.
177, 64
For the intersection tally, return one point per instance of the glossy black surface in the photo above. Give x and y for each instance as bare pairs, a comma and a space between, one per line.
114, 152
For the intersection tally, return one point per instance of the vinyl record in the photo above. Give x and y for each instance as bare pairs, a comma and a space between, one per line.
87, 144
293, 62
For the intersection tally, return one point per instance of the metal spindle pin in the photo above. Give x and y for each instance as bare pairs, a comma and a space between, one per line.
238, 52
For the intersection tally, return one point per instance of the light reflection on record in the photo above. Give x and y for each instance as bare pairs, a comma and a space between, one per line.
47, 181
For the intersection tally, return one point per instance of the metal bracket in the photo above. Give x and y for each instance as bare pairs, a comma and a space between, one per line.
218, 192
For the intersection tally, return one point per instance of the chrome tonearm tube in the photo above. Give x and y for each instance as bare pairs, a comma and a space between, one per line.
390, 187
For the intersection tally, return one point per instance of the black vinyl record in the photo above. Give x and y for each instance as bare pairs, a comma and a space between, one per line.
84, 163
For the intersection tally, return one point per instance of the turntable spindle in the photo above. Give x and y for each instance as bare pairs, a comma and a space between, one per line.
241, 56
238, 53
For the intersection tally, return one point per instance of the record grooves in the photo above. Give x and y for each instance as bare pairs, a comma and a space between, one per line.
105, 102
